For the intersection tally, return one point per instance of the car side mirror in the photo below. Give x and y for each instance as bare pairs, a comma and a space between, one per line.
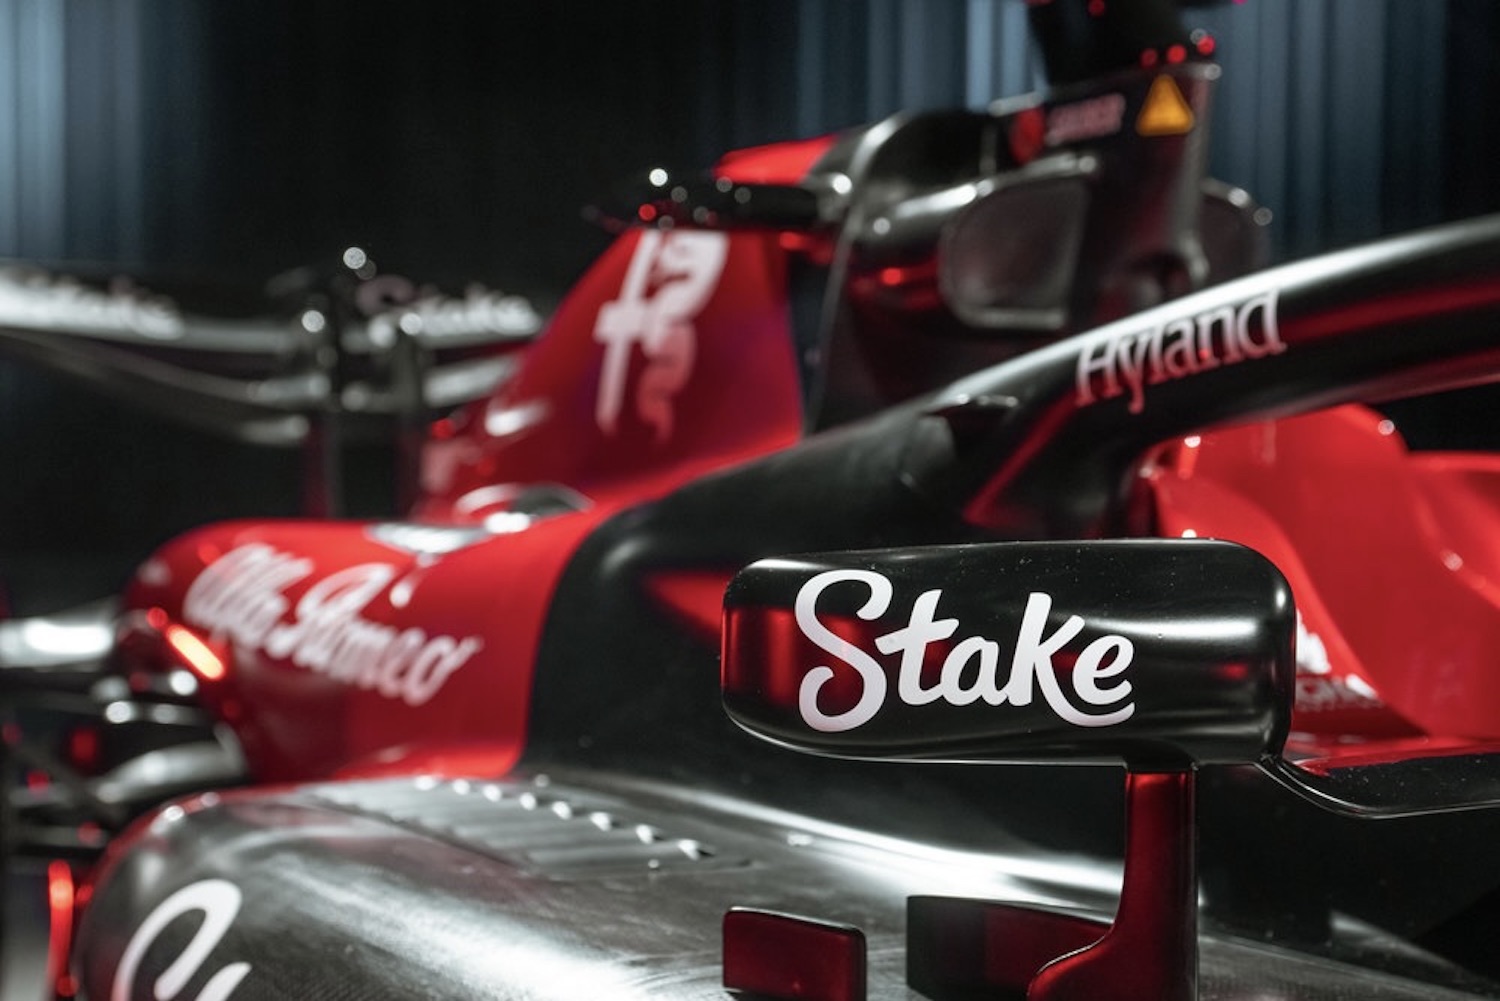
1163, 654
1151, 652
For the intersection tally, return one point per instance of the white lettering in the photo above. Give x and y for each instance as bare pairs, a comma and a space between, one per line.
219, 900
311, 639
1089, 366
243, 596
481, 313
1270, 342
1326, 694
871, 676
951, 687
1179, 356
1112, 364
240, 595
1132, 362
670, 279
1228, 337
912, 642
1105, 659
1098, 116
1312, 652
1091, 667
1034, 653
38, 300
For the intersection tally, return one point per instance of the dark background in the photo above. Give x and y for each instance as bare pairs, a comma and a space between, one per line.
460, 141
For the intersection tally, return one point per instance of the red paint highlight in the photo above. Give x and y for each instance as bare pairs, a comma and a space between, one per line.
83, 748
1392, 752
1400, 308
781, 956
694, 598
777, 163
439, 761
194, 653
60, 901
1027, 134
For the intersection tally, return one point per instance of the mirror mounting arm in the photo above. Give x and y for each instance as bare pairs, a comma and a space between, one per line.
959, 947
1150, 953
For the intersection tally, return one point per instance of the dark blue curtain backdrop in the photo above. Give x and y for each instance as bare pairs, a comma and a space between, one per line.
460, 140
465, 136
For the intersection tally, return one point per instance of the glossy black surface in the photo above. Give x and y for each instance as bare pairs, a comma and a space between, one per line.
1017, 439
1145, 650
1414, 314
581, 886
1442, 782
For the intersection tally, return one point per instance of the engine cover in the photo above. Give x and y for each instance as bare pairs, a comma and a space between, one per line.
576, 886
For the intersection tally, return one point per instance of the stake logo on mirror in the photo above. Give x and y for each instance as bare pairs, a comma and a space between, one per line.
1099, 695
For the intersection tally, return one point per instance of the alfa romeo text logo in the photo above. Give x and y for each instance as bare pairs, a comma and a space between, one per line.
242, 596
971, 672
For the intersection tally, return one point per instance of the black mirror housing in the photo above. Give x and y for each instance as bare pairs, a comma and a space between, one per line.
1158, 653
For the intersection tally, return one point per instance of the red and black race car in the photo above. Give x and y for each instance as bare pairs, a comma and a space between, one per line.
963, 438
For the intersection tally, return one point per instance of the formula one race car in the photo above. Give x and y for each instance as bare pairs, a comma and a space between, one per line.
958, 439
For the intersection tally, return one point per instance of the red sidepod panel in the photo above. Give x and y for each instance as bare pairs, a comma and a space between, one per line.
673, 355
365, 647
334, 647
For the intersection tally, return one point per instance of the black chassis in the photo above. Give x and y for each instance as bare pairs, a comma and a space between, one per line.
577, 876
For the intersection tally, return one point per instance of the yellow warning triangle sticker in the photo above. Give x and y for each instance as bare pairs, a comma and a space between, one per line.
1166, 111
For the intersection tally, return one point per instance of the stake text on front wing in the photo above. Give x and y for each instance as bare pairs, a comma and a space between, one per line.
243, 597
1096, 680
1113, 364
37, 299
